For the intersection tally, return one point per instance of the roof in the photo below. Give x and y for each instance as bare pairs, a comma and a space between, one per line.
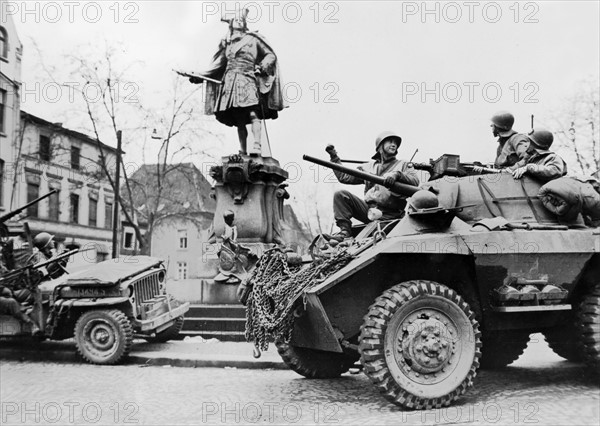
57, 127
184, 190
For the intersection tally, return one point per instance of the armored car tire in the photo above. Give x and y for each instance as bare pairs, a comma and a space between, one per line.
502, 347
564, 342
420, 345
103, 336
588, 318
170, 333
315, 364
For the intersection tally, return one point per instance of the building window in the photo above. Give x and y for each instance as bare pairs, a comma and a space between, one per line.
75, 157
128, 240
54, 204
181, 270
33, 192
108, 215
1, 182
3, 43
2, 109
74, 211
44, 151
182, 239
93, 213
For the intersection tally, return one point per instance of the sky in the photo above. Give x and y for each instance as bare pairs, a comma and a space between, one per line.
434, 72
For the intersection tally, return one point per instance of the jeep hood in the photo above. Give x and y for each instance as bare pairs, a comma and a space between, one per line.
111, 272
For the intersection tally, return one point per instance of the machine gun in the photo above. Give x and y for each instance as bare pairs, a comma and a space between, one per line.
450, 165
11, 214
397, 187
8, 278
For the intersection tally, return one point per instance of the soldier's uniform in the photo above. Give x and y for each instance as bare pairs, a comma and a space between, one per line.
346, 205
544, 166
512, 146
540, 162
511, 149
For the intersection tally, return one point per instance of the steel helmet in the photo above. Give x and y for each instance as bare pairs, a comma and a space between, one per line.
386, 135
42, 240
423, 200
541, 138
503, 120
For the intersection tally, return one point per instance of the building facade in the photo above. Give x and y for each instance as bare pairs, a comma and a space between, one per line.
80, 213
11, 51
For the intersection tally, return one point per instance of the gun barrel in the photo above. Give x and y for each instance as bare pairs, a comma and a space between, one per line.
399, 188
13, 213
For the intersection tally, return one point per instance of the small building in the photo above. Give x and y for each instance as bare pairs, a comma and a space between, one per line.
176, 216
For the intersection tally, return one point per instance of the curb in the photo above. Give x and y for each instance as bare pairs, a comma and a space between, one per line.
29, 354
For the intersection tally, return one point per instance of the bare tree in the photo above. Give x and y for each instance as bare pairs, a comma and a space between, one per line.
111, 101
576, 126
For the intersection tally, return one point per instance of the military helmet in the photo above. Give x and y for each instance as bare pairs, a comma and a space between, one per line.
541, 138
386, 135
503, 120
42, 240
423, 200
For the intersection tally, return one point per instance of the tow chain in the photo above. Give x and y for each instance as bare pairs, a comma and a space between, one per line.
275, 288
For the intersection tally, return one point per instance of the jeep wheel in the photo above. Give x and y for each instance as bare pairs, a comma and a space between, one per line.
588, 317
170, 333
103, 336
420, 345
564, 342
315, 364
502, 347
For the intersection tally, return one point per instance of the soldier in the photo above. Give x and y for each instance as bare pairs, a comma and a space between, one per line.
511, 145
44, 242
347, 205
10, 306
539, 162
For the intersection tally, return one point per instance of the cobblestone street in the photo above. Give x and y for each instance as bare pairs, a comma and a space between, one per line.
540, 388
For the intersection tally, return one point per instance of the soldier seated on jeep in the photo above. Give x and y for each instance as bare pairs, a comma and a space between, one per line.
10, 306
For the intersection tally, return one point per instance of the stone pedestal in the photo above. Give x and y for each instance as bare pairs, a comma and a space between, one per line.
253, 189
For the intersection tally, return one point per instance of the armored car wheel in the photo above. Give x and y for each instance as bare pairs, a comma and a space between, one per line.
420, 345
588, 318
170, 333
564, 342
502, 347
103, 336
315, 364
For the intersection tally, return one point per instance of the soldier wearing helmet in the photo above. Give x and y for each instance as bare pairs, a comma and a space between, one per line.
44, 242
385, 164
540, 162
511, 145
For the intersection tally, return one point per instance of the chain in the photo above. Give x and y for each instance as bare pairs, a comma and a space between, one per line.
275, 288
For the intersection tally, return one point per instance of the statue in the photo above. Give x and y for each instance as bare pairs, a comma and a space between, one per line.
242, 83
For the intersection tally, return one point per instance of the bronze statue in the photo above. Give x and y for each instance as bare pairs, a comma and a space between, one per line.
242, 83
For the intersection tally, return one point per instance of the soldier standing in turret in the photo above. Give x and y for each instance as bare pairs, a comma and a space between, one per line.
540, 162
511, 144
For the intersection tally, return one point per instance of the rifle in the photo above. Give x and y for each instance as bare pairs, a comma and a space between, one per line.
16, 272
13, 213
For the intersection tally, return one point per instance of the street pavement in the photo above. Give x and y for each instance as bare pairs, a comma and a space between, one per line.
539, 388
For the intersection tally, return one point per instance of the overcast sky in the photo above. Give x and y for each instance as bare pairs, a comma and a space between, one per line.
353, 69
